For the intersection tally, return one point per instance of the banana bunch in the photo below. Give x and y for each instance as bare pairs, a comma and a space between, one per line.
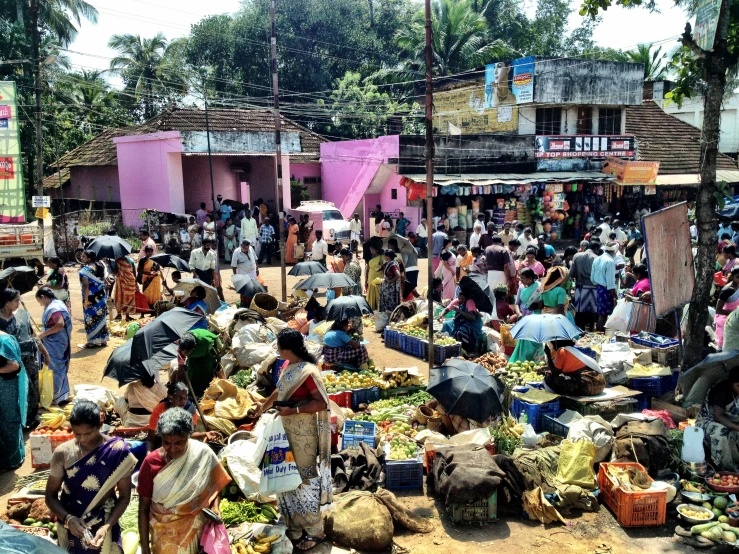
54, 420
687, 486
262, 544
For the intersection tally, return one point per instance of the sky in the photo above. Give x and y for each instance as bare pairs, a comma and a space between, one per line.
620, 28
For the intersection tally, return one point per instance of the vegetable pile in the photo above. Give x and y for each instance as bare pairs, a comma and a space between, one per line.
507, 435
130, 518
236, 513
491, 362
243, 378
261, 544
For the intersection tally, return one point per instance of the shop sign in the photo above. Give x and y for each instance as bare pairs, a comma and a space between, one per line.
509, 82
706, 21
5, 112
7, 172
584, 146
463, 111
12, 192
631, 173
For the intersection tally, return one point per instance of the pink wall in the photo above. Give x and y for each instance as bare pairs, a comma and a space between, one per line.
196, 180
104, 179
300, 171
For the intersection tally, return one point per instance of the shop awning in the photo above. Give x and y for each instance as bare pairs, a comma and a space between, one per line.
512, 178
694, 179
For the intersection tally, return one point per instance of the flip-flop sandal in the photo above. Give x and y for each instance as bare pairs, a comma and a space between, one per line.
315, 540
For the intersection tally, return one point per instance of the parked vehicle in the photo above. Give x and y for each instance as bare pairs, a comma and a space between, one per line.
22, 244
327, 217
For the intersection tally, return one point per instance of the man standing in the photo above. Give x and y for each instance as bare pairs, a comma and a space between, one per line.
217, 207
605, 227
249, 229
437, 243
545, 252
603, 275
244, 260
486, 240
507, 234
620, 235
377, 217
525, 239
146, 241
203, 262
355, 228
200, 215
497, 260
632, 236
267, 240
320, 249
586, 293
402, 224
476, 235
422, 232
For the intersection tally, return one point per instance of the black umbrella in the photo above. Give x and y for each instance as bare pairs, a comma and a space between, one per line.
476, 288
119, 364
466, 389
345, 307
235, 204
211, 293
247, 286
22, 278
326, 281
170, 260
307, 268
13, 541
161, 332
109, 246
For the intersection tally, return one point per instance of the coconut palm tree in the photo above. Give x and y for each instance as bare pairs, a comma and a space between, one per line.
655, 61
61, 15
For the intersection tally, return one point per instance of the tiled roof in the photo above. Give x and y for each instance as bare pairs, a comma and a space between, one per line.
102, 151
52, 181
663, 138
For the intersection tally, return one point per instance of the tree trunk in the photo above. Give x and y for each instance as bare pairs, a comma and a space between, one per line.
372, 13
19, 11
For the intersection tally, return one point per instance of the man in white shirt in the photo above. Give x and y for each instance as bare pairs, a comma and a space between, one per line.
320, 249
476, 235
606, 226
203, 262
422, 232
355, 228
249, 230
244, 260
525, 239
620, 235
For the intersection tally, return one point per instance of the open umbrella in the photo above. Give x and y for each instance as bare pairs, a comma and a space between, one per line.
325, 281
235, 204
466, 389
119, 364
346, 307
404, 245
22, 278
109, 246
161, 332
698, 380
307, 268
476, 288
247, 286
170, 260
211, 294
545, 327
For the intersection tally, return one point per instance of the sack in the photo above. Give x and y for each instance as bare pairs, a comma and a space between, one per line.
620, 319
359, 520
575, 465
381, 320
279, 470
46, 387
214, 539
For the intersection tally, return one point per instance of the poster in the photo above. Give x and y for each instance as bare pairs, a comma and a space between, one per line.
631, 173
462, 111
12, 192
508, 83
579, 146
706, 21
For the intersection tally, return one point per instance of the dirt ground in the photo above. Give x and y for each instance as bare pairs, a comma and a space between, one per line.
589, 533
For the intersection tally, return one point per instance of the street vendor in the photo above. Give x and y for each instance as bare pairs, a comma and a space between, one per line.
340, 349
198, 355
196, 303
466, 326
719, 419
176, 398
571, 372
142, 397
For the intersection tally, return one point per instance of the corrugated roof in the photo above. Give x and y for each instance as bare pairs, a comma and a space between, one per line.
664, 138
102, 151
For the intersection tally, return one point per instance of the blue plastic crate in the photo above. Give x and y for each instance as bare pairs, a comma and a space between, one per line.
651, 343
412, 346
352, 441
643, 402
535, 412
653, 386
364, 396
587, 351
392, 339
442, 353
404, 475
550, 424
277, 368
359, 428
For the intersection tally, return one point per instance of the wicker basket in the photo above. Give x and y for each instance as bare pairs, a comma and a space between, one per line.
422, 414
265, 304
435, 424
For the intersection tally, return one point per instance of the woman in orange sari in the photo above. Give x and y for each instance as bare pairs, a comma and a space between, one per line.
292, 240
176, 483
124, 290
150, 277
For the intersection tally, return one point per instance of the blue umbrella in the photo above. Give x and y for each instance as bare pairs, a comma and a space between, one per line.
545, 327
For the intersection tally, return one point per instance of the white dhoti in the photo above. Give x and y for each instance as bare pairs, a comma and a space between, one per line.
496, 278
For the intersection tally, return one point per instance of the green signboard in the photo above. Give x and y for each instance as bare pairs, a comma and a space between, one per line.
12, 192
706, 21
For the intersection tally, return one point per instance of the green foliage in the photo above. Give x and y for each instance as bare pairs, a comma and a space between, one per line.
298, 192
654, 60
591, 8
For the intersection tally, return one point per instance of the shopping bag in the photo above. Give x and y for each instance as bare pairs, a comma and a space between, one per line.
620, 319
575, 465
46, 387
279, 470
214, 539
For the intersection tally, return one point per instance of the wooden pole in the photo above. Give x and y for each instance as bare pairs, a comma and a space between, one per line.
429, 153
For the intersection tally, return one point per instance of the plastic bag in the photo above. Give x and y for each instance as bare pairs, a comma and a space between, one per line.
214, 539
575, 465
279, 471
620, 319
103, 397
595, 430
381, 320
46, 387
530, 438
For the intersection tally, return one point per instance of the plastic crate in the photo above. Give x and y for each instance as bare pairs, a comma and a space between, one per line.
651, 343
412, 346
404, 475
643, 402
342, 399
534, 412
484, 510
364, 396
632, 509
668, 356
606, 410
392, 339
400, 391
359, 428
352, 441
442, 353
277, 367
551, 424
653, 386
43, 446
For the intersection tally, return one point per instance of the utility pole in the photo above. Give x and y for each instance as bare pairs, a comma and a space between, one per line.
278, 152
429, 152
61, 192
37, 93
210, 158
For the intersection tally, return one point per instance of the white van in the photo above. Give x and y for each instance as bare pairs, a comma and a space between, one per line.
327, 217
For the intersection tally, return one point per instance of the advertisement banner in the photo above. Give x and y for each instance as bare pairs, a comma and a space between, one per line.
509, 82
523, 79
12, 191
631, 173
462, 111
706, 21
581, 146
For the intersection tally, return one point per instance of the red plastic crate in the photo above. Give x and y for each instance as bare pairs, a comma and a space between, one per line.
342, 399
632, 509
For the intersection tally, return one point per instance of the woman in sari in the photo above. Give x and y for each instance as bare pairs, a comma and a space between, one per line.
571, 372
125, 288
94, 300
176, 483
719, 419
14, 400
532, 263
390, 289
292, 241
17, 322
93, 475
728, 301
309, 433
209, 228
150, 277
353, 270
553, 297
57, 339
231, 239
340, 349
466, 326
196, 303
729, 260
373, 272
58, 281
527, 303
448, 274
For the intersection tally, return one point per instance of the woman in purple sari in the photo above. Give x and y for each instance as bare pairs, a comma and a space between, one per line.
56, 338
87, 471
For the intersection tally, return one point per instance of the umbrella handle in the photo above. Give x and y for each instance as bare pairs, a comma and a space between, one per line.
197, 405
36, 325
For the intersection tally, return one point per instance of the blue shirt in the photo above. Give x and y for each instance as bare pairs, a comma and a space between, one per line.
336, 339
401, 226
437, 243
603, 272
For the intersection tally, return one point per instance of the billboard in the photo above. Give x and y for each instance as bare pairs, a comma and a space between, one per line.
12, 192
584, 146
509, 82
706, 21
631, 173
462, 111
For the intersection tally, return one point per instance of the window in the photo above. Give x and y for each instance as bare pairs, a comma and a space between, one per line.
584, 120
393, 194
548, 121
312, 181
609, 121
110, 194
332, 215
93, 193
